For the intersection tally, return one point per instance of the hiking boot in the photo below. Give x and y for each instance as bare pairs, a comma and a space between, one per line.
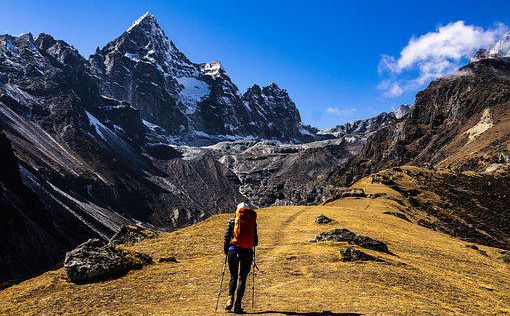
230, 303
238, 309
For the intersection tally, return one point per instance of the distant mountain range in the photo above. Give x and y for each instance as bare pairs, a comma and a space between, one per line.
364, 128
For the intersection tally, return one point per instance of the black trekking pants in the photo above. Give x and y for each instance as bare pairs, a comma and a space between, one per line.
239, 265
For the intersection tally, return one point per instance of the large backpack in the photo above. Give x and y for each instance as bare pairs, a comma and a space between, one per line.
244, 228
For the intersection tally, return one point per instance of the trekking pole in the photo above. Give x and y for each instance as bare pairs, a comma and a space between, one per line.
221, 283
253, 279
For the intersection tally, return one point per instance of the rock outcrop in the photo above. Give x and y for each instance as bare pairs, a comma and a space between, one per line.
95, 260
323, 219
343, 234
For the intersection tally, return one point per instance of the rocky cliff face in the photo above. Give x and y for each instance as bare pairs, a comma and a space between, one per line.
275, 116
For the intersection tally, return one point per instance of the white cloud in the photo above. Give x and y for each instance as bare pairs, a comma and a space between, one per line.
435, 54
342, 112
391, 89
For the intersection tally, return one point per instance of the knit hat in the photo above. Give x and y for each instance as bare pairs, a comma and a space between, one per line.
242, 205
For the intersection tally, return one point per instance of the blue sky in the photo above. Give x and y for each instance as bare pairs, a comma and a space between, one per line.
339, 60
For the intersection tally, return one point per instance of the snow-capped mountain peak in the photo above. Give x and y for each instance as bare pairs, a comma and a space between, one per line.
144, 67
499, 50
402, 111
147, 18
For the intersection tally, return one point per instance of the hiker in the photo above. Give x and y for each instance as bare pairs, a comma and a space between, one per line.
240, 239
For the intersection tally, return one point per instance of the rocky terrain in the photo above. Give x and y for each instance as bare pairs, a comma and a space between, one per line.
93, 138
472, 206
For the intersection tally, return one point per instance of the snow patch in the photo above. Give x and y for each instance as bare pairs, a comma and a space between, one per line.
193, 91
501, 48
211, 69
483, 125
133, 57
151, 126
303, 131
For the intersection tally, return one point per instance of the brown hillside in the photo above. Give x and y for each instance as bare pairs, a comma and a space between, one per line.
430, 273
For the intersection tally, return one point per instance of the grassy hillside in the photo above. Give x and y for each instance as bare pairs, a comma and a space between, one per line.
431, 272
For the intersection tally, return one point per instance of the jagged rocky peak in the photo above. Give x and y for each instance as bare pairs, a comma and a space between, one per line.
275, 115
146, 41
58, 49
271, 90
402, 111
271, 100
213, 70
145, 21
499, 50
13, 47
184, 101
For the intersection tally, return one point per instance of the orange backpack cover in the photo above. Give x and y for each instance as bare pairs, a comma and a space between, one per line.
244, 228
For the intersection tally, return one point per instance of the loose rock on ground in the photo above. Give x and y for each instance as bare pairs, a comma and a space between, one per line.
343, 234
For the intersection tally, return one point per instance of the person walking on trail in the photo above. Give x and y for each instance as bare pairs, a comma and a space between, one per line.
240, 239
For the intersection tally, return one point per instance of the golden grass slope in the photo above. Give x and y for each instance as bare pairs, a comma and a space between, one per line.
433, 273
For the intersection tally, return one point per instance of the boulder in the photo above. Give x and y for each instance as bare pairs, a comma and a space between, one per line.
352, 238
377, 195
350, 254
95, 260
131, 234
323, 219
